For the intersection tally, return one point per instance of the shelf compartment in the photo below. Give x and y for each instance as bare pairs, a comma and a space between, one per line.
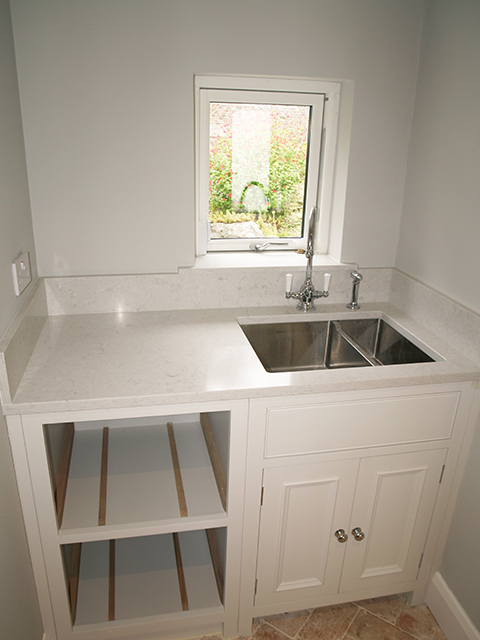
154, 470
138, 578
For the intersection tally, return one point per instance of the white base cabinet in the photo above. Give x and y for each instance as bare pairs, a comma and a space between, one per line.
350, 495
182, 521
381, 506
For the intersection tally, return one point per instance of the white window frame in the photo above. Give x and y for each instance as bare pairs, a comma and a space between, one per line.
322, 96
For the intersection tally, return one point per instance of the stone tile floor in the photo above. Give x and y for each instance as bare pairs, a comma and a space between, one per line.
389, 618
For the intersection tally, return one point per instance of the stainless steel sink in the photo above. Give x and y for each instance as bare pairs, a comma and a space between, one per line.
331, 344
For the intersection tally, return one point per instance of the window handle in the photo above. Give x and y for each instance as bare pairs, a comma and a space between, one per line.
262, 247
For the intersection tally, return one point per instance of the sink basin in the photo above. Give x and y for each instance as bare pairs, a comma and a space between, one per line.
331, 344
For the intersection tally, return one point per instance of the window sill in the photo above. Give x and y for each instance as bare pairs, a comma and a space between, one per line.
252, 260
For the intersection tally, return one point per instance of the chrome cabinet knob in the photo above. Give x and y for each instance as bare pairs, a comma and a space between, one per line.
341, 535
358, 534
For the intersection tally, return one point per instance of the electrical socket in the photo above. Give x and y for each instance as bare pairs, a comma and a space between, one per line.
21, 272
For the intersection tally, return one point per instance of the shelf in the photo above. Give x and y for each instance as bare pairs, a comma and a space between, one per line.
122, 475
144, 577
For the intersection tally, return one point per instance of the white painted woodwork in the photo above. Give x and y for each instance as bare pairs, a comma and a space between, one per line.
298, 554
380, 421
146, 581
369, 459
301, 447
140, 476
142, 514
393, 506
28, 502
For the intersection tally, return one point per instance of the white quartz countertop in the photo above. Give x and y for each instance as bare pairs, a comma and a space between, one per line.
114, 360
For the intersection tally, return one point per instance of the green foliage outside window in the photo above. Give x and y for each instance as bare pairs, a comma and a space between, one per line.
282, 213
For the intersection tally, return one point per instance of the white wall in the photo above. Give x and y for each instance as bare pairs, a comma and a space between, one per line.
19, 615
16, 224
107, 101
440, 232
461, 563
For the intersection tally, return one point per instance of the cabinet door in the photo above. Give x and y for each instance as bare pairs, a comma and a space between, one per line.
299, 555
393, 506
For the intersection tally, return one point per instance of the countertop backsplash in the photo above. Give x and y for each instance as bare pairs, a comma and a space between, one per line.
452, 322
205, 289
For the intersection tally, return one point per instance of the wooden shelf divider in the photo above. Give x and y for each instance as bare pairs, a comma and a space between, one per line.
63, 471
111, 581
216, 561
182, 503
217, 466
102, 507
73, 579
181, 576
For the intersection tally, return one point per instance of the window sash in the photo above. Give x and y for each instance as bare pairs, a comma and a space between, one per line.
322, 98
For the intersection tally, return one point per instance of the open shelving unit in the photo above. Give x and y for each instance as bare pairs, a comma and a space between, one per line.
116, 475
141, 510
130, 578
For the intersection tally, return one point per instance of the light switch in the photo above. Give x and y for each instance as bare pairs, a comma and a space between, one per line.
21, 272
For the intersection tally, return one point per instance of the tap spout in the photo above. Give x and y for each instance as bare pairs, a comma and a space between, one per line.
307, 292
309, 253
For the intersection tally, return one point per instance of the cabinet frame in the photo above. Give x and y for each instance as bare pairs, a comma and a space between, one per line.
456, 443
247, 464
36, 488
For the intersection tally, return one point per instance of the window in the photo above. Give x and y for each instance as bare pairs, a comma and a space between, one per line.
265, 152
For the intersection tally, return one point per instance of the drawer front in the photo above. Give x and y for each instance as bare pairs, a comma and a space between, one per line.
357, 424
